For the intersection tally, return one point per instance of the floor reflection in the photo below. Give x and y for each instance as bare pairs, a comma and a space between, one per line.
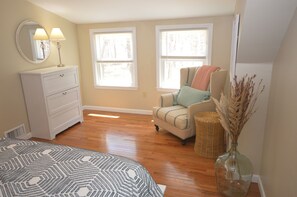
121, 144
103, 116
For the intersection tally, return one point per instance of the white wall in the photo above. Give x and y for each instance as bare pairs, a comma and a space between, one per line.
262, 28
251, 139
279, 163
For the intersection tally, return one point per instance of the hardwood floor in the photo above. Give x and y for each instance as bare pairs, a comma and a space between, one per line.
133, 136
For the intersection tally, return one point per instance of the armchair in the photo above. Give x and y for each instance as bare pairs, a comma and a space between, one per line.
179, 120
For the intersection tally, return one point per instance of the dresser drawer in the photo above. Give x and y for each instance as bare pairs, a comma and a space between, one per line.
60, 81
63, 100
65, 119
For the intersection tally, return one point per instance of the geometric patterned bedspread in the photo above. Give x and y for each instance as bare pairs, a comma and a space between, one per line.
29, 168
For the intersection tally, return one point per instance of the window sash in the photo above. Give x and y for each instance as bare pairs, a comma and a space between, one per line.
114, 72
183, 57
165, 83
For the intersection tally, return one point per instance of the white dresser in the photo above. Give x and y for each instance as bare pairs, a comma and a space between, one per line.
52, 99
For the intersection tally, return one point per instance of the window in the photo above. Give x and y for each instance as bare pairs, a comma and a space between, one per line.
181, 46
114, 57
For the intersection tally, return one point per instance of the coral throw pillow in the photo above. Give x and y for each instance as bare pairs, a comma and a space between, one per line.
202, 77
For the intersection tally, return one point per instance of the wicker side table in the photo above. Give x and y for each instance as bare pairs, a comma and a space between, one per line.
210, 141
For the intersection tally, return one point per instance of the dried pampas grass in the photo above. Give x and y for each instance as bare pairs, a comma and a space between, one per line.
236, 109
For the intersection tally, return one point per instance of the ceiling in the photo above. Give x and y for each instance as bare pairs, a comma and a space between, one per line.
263, 29
100, 11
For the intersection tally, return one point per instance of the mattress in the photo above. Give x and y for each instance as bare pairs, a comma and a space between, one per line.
29, 168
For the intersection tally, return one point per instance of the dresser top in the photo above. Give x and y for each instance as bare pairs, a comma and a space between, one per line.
48, 70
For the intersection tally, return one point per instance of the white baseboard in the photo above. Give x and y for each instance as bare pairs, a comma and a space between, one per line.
257, 179
261, 188
114, 109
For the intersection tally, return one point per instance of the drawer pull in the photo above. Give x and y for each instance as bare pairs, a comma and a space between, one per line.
64, 93
62, 75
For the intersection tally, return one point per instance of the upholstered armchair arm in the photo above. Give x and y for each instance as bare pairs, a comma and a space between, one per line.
168, 99
206, 106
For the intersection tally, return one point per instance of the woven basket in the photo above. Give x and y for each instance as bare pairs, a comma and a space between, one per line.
210, 141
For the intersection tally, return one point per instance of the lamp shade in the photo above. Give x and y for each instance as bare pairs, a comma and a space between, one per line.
40, 34
57, 35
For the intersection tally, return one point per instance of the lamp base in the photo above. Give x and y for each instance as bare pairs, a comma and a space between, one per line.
59, 48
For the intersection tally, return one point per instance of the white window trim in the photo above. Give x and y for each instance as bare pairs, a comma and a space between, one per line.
160, 28
93, 32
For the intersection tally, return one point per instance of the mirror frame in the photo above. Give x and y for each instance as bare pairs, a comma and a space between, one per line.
20, 26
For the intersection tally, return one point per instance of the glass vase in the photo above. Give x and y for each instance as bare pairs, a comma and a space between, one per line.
234, 173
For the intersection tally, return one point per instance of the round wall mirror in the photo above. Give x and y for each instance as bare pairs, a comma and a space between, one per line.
32, 41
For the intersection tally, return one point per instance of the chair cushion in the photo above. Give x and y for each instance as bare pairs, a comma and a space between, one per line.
175, 115
188, 96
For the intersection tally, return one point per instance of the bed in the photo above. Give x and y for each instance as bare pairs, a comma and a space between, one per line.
30, 168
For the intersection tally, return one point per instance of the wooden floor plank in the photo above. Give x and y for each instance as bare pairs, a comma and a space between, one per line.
133, 136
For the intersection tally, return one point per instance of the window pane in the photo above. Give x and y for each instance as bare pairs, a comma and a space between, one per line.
114, 46
170, 73
115, 74
184, 43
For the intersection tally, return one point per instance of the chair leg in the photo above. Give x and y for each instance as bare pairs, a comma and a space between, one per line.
183, 142
157, 128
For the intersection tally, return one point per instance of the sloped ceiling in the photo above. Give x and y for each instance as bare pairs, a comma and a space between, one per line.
263, 27
100, 11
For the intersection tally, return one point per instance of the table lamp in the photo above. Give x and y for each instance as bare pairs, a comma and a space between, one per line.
57, 36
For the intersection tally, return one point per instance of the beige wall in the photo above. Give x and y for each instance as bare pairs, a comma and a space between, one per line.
278, 172
12, 13
146, 96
